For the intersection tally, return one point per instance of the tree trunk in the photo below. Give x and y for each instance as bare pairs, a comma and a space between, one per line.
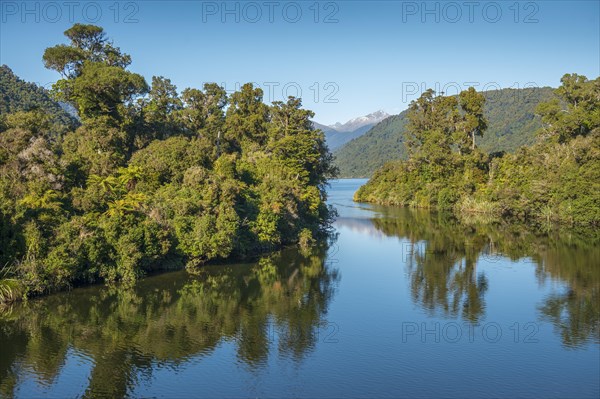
218, 143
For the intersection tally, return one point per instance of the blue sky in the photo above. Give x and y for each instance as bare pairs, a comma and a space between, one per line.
346, 58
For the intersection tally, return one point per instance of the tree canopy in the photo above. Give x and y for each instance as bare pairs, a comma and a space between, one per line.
555, 180
512, 122
152, 177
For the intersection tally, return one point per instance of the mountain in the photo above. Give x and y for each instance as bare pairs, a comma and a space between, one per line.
339, 134
362, 156
326, 129
361, 121
511, 123
18, 95
337, 139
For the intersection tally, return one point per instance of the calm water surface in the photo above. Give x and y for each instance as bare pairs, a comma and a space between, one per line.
401, 303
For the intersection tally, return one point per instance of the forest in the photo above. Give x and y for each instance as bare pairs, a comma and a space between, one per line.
145, 177
511, 124
555, 180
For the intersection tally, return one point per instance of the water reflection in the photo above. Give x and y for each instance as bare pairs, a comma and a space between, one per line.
575, 312
258, 329
169, 320
442, 257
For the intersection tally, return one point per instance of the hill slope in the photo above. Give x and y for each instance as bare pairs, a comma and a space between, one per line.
512, 123
18, 95
337, 140
339, 134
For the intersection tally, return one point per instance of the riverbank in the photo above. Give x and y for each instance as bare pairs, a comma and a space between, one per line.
413, 294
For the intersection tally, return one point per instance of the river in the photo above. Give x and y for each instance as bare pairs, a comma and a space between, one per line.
398, 303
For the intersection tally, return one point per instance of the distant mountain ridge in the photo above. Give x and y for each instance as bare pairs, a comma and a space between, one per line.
339, 134
361, 121
511, 124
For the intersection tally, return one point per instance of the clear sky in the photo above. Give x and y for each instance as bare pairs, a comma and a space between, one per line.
345, 58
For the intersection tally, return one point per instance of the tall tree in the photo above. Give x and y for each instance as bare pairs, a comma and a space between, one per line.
289, 117
94, 76
247, 116
294, 139
579, 112
431, 123
473, 123
88, 43
203, 112
160, 108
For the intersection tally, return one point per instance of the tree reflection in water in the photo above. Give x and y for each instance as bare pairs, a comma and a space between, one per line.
442, 256
170, 319
575, 312
276, 306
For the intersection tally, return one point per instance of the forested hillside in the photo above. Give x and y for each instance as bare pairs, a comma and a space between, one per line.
362, 156
557, 179
152, 178
511, 124
336, 139
338, 134
18, 95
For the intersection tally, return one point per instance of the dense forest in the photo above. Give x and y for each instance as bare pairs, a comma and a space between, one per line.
512, 123
555, 180
252, 302
146, 177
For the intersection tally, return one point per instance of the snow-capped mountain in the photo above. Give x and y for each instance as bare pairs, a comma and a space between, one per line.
339, 134
359, 122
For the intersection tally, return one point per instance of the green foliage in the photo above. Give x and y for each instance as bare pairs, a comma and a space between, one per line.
473, 123
100, 146
581, 115
443, 164
11, 288
88, 43
151, 177
19, 96
511, 123
247, 117
101, 90
203, 112
550, 181
94, 80
555, 180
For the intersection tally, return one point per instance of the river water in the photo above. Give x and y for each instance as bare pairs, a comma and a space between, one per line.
398, 303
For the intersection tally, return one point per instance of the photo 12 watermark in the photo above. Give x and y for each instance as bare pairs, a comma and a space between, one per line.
413, 90
452, 12
318, 92
126, 12
325, 332
454, 332
252, 12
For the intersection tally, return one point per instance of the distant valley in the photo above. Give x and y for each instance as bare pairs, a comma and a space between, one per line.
338, 134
